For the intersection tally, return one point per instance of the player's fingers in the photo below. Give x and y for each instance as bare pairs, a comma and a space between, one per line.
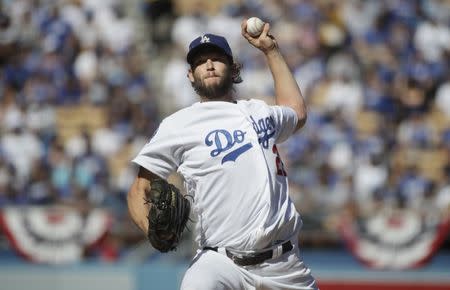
265, 30
244, 24
244, 30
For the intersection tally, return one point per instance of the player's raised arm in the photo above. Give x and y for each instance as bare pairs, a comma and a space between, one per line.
287, 91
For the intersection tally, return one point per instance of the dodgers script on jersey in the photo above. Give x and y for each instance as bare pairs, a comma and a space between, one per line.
227, 154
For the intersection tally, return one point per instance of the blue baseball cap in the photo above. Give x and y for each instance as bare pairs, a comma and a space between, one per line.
209, 40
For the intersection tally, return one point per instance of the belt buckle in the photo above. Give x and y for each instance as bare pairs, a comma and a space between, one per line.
245, 260
232, 255
236, 258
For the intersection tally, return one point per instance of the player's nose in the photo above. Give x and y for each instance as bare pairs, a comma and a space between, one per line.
209, 64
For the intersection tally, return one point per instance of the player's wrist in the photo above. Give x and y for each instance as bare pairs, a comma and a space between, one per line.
272, 52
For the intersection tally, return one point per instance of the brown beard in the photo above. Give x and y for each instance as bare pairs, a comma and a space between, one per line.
216, 91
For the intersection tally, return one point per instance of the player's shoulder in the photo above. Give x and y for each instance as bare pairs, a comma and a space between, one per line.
176, 116
255, 105
252, 101
179, 117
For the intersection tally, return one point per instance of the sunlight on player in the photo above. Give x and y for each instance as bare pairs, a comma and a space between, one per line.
225, 149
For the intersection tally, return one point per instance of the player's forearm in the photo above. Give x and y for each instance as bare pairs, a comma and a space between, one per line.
287, 91
137, 207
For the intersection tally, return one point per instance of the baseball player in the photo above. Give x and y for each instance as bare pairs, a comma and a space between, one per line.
226, 150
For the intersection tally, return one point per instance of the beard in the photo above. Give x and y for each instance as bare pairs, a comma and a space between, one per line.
214, 91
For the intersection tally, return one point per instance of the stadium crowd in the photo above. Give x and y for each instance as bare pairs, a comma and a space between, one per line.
376, 78
375, 75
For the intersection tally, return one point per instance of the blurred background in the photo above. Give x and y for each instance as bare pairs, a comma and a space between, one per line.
84, 84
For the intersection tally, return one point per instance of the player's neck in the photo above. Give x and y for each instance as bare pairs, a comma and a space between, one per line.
225, 98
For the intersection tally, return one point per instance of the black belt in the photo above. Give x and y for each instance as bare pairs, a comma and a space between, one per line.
254, 258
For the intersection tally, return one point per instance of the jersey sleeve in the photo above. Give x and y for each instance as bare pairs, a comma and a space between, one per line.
285, 122
161, 155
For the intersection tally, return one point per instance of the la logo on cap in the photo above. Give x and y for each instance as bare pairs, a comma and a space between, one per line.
204, 39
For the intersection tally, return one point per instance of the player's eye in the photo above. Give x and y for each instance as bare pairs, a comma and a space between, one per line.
218, 58
200, 61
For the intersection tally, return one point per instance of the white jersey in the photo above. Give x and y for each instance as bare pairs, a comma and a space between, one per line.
227, 155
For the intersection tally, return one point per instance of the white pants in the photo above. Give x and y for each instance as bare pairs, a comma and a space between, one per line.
211, 270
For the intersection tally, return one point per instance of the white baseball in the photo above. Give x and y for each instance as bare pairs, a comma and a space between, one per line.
255, 26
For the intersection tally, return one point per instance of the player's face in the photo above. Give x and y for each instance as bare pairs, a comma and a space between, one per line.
210, 75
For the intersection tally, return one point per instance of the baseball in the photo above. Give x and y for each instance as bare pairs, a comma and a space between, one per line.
255, 26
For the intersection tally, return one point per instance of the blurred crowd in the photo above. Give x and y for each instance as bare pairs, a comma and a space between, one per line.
375, 75
72, 66
68, 55
377, 82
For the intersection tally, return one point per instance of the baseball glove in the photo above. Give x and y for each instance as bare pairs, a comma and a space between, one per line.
168, 215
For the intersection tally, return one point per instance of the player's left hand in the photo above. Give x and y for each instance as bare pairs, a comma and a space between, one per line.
168, 215
265, 41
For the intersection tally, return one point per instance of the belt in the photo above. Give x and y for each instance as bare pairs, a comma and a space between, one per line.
256, 258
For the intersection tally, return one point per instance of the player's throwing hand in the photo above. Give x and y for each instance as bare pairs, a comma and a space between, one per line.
265, 41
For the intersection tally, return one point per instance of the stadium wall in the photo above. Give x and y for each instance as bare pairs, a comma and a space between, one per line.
333, 270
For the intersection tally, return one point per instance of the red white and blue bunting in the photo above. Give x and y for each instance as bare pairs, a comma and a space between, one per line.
396, 239
53, 235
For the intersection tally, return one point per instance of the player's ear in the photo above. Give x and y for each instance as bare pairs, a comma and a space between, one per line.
236, 72
190, 75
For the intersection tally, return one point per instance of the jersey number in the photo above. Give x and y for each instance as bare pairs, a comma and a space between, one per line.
279, 163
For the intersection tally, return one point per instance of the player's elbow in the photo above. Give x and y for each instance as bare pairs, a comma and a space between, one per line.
302, 116
299, 107
301, 121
